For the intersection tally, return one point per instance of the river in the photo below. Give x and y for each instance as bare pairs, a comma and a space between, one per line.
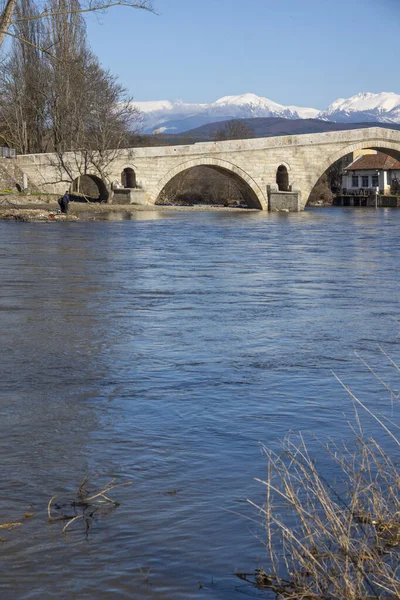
162, 350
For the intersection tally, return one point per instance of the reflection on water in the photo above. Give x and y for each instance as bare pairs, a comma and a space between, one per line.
123, 215
148, 215
162, 350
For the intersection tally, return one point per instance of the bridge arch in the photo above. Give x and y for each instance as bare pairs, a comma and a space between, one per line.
258, 198
91, 186
392, 148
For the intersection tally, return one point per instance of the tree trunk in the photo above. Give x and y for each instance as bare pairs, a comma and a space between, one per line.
6, 18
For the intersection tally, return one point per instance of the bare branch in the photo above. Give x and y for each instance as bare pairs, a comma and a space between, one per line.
28, 43
137, 5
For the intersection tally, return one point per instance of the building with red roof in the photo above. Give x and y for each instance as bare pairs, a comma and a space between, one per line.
369, 172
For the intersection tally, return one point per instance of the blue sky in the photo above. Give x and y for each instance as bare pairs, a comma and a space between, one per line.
301, 52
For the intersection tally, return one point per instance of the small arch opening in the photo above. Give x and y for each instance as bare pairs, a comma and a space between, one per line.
128, 178
282, 179
89, 188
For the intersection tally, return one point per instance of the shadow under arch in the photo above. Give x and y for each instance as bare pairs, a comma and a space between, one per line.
250, 189
381, 145
90, 186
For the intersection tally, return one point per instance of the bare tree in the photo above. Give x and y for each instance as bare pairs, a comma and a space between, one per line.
92, 118
237, 129
329, 184
334, 175
203, 185
395, 187
9, 19
63, 102
105, 126
24, 87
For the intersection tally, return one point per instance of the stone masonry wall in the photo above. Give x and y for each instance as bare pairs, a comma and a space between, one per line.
290, 201
10, 174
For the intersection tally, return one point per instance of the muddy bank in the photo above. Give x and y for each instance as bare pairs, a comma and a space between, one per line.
39, 209
28, 215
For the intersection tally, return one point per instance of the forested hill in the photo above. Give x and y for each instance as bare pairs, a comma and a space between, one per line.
260, 127
268, 127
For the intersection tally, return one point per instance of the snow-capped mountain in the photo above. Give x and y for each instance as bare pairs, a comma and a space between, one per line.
382, 108
176, 117
251, 106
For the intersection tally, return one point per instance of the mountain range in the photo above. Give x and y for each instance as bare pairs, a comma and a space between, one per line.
165, 116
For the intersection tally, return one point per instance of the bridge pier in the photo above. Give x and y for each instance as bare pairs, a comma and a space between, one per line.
283, 201
128, 196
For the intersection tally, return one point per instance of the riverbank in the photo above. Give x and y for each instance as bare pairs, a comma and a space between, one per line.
42, 209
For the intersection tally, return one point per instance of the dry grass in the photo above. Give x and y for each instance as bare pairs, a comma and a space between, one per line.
332, 540
10, 526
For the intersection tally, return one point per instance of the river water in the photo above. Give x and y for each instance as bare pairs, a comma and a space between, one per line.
162, 350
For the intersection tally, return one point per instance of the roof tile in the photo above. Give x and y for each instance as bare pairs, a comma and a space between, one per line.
374, 161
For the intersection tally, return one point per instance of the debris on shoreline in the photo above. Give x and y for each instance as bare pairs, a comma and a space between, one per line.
31, 215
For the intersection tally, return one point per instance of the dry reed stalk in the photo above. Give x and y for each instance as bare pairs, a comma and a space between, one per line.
72, 521
331, 544
10, 526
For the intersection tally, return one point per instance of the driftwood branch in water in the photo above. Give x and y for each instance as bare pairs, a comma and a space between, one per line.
85, 502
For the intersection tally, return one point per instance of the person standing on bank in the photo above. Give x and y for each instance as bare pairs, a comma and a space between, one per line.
63, 202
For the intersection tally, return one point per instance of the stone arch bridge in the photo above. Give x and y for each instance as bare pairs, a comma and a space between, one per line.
253, 163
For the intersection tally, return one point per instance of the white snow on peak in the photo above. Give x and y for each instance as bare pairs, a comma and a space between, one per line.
152, 106
249, 99
379, 105
157, 113
305, 113
179, 116
156, 106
